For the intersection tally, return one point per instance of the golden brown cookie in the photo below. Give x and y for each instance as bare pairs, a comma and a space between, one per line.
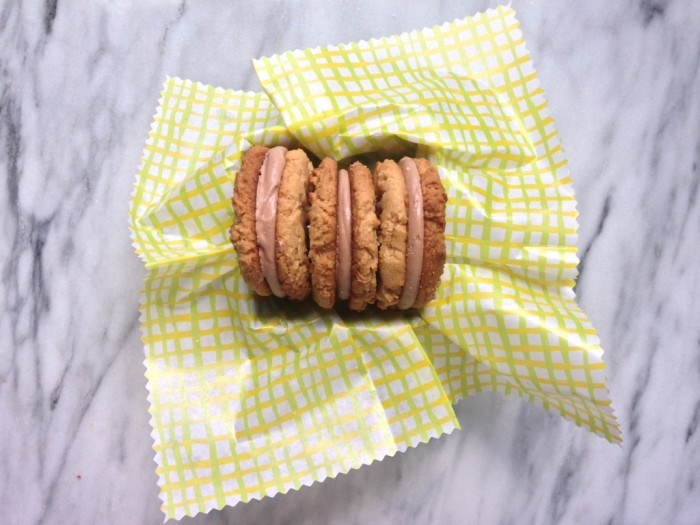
242, 233
365, 252
390, 186
323, 209
292, 217
434, 252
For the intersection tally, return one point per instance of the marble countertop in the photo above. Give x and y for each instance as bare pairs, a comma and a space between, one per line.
78, 86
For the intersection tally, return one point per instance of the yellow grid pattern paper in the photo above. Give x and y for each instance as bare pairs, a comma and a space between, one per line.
465, 94
251, 397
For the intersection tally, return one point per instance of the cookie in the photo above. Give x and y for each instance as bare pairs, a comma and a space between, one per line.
390, 187
365, 252
323, 210
292, 218
434, 252
242, 232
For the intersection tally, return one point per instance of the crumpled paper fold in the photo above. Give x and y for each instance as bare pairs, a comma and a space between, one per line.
251, 397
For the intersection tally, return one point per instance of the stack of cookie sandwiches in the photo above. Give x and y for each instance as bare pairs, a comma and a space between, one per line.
366, 237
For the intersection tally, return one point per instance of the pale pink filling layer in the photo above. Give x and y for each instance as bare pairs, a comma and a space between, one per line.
414, 247
344, 260
266, 214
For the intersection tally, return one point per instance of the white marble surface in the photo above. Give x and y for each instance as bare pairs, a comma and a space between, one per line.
78, 86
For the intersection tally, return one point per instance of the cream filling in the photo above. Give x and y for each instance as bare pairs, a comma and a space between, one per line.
414, 247
344, 242
266, 214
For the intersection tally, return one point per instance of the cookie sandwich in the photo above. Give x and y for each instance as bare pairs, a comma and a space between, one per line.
411, 202
343, 248
269, 231
374, 236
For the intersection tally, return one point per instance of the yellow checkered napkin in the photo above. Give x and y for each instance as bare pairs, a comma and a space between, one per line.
250, 397
465, 95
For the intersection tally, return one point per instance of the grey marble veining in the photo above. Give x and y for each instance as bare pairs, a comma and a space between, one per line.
79, 83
